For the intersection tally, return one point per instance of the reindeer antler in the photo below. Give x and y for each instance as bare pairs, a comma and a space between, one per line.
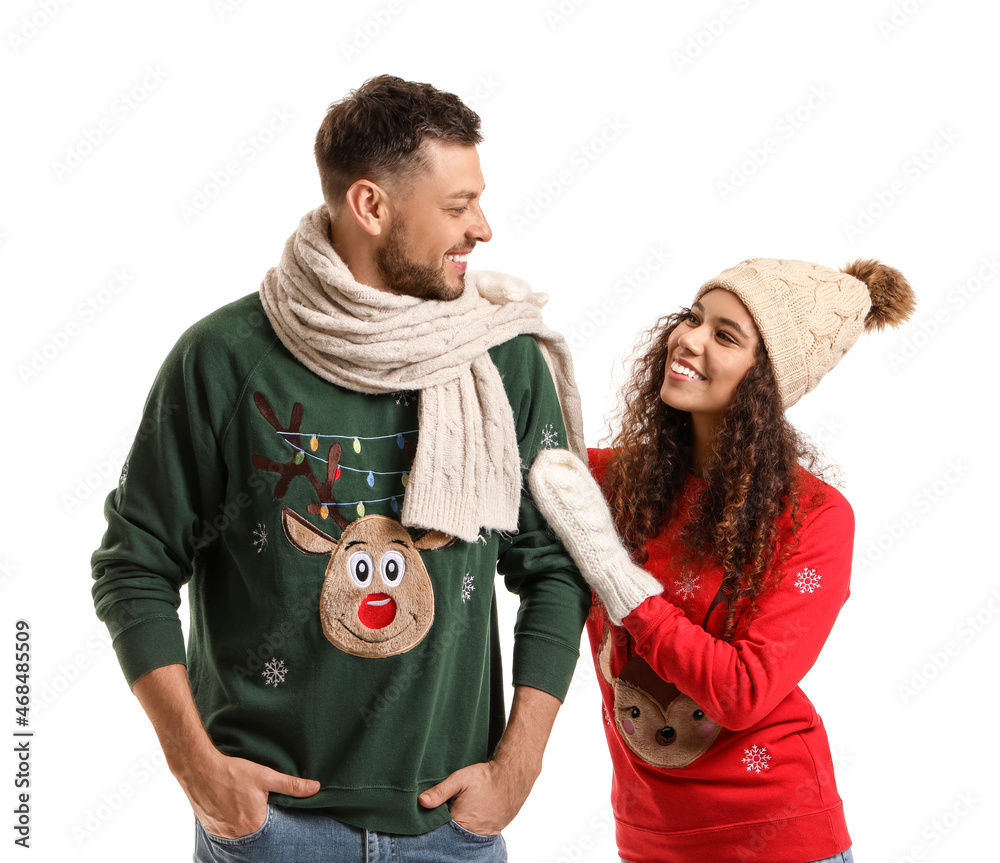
297, 465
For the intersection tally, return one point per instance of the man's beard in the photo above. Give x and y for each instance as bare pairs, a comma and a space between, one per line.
406, 276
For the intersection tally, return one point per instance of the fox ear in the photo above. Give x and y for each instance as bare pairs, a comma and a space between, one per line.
304, 535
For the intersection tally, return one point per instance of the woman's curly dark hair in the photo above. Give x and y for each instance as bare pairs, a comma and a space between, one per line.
751, 473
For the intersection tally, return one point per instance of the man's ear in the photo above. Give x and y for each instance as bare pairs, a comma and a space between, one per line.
368, 203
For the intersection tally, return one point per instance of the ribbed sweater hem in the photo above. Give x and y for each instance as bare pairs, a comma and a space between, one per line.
790, 840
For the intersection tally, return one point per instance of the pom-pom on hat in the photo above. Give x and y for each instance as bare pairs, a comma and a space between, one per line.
809, 315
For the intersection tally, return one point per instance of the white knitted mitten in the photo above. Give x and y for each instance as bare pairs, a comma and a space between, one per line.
500, 289
573, 504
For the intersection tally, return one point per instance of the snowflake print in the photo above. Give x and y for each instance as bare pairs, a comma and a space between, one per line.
274, 672
260, 537
550, 437
756, 759
404, 398
467, 586
808, 580
124, 476
687, 584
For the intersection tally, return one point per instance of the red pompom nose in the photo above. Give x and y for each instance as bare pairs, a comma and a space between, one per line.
377, 610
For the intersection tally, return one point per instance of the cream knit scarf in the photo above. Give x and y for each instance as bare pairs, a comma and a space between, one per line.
466, 474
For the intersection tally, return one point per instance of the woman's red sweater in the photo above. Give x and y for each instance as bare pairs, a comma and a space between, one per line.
759, 785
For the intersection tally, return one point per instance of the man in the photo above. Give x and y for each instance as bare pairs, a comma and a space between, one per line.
339, 664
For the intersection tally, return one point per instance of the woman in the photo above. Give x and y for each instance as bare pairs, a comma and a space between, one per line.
718, 755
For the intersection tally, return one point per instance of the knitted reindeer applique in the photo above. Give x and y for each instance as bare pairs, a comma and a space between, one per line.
377, 598
657, 721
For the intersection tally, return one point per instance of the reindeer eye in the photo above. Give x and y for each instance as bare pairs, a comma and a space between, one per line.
698, 715
635, 712
393, 567
360, 568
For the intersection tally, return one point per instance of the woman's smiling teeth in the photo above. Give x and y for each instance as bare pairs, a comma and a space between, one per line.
675, 366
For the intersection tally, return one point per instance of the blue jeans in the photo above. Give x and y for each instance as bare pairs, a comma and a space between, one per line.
300, 836
845, 857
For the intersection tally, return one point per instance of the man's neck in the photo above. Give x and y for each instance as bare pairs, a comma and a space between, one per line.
359, 260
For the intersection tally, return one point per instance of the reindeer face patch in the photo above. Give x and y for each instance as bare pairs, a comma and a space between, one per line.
377, 597
657, 721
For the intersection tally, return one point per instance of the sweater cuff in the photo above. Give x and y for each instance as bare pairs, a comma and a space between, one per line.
148, 645
543, 664
654, 613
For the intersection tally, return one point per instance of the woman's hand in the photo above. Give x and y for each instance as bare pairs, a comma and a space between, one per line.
500, 289
573, 504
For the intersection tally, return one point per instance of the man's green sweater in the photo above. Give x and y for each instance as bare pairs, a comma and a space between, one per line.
237, 432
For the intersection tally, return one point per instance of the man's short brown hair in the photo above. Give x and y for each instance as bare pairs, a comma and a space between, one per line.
376, 131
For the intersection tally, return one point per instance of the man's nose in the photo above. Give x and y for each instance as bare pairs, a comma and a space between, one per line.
479, 230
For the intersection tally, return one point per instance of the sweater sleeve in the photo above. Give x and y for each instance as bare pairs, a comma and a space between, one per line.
160, 515
737, 684
554, 599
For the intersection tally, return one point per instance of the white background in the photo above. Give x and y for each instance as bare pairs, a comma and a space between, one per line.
685, 96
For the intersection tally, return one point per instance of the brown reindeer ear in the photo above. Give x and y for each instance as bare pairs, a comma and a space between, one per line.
433, 540
304, 535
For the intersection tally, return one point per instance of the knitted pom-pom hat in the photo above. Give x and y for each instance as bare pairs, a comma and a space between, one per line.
809, 315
